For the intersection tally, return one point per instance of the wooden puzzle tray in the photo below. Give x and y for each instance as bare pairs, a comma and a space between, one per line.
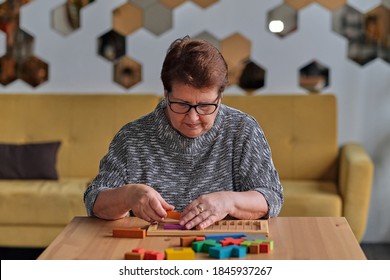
224, 226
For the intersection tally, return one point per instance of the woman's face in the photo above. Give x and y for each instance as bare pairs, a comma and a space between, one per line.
191, 124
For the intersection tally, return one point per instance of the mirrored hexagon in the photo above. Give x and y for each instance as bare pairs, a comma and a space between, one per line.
127, 19
252, 76
172, 3
143, 3
348, 22
66, 18
21, 46
127, 72
34, 71
158, 18
298, 4
236, 48
332, 5
8, 68
209, 38
282, 20
112, 45
314, 76
205, 3
377, 30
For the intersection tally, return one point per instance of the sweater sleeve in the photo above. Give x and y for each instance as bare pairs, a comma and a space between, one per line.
257, 171
111, 171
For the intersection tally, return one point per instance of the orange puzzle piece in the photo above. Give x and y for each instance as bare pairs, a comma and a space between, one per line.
173, 215
129, 232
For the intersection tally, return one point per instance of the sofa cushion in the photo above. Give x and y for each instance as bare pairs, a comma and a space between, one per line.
29, 161
41, 202
311, 198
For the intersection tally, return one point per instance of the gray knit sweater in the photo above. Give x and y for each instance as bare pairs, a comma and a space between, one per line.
232, 156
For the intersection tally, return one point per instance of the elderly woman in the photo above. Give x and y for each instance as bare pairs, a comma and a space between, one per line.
192, 154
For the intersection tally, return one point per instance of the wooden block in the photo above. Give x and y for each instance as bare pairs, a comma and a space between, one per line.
173, 215
254, 248
186, 241
264, 248
129, 232
271, 244
133, 256
138, 250
153, 255
180, 253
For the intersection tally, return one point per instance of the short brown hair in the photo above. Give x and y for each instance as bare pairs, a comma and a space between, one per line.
196, 63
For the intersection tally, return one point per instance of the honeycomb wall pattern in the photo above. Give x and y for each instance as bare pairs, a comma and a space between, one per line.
19, 62
367, 34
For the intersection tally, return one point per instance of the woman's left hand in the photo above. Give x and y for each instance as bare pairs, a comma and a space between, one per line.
207, 209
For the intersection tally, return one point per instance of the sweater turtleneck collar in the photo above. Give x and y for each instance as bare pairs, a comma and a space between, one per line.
168, 135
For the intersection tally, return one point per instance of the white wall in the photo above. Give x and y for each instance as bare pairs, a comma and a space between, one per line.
363, 91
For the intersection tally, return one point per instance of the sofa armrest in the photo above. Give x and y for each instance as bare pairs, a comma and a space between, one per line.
355, 184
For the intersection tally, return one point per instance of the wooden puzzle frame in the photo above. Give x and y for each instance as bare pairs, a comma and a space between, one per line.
224, 226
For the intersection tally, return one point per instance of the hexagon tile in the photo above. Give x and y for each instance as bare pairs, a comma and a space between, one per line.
127, 19
66, 18
19, 61
314, 76
368, 34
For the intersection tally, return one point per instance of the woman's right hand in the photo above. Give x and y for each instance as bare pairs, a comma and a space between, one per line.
146, 203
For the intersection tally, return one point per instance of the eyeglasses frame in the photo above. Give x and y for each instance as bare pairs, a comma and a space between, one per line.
190, 106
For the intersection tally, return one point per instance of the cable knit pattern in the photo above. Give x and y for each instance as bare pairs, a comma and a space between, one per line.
232, 156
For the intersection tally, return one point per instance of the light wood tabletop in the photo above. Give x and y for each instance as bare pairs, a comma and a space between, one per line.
297, 238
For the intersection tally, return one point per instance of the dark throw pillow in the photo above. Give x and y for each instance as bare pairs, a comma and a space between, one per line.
29, 161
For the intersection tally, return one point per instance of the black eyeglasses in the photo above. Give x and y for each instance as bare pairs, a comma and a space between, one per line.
184, 108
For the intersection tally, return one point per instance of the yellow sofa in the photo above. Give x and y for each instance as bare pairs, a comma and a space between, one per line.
319, 178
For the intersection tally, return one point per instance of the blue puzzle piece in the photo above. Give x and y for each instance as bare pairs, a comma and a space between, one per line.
227, 252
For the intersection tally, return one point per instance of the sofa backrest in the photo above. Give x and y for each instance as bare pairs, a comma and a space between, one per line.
85, 124
301, 131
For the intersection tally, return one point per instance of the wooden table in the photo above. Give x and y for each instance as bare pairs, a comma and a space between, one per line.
298, 238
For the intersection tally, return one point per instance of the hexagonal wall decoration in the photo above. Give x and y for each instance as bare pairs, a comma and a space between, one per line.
157, 18
252, 77
144, 3
368, 34
127, 19
127, 72
314, 76
298, 4
282, 20
34, 71
111, 45
7, 69
172, 3
66, 18
209, 38
19, 61
236, 49
331, 4
205, 3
